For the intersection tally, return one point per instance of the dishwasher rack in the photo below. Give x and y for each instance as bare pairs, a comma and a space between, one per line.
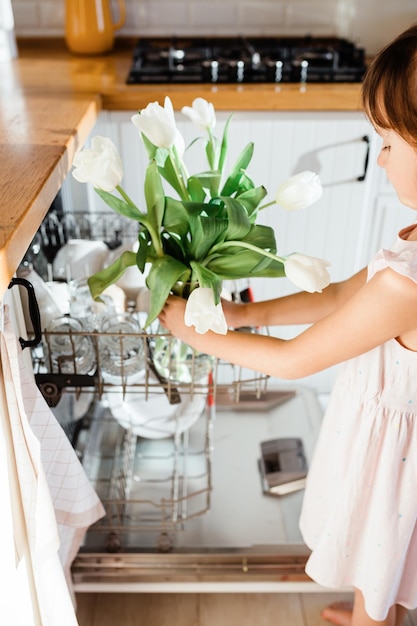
152, 486
149, 488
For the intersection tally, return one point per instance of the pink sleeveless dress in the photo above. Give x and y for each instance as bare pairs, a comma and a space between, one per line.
360, 506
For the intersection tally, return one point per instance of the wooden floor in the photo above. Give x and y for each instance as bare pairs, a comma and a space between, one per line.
228, 609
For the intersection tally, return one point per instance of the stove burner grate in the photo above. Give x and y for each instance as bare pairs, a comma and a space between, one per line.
238, 60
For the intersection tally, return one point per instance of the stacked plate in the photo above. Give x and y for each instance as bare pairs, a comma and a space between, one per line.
152, 416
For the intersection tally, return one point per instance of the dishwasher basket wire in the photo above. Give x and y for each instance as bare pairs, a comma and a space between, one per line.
150, 485
149, 488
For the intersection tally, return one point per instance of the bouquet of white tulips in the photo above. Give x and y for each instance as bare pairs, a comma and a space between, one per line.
208, 233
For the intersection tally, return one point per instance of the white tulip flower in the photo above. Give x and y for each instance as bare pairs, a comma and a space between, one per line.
158, 125
307, 272
100, 165
201, 113
299, 191
201, 312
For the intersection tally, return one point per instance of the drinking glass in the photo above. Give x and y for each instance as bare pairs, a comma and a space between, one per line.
85, 308
70, 351
122, 352
178, 362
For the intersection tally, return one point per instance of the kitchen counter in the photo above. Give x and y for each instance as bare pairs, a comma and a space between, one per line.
50, 99
49, 69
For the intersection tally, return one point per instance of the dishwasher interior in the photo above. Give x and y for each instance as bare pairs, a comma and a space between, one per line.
200, 465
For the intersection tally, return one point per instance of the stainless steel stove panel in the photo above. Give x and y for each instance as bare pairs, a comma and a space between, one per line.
241, 60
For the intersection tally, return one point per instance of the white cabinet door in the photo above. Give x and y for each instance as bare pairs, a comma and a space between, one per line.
335, 145
385, 218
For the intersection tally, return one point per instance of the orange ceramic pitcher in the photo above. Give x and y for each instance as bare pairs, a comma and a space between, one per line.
89, 25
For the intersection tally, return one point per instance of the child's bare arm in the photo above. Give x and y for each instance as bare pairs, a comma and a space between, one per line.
298, 308
382, 309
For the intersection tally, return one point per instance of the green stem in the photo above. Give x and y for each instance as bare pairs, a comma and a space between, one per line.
153, 233
126, 197
212, 152
180, 172
248, 246
264, 206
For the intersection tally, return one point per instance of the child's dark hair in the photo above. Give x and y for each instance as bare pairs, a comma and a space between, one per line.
389, 89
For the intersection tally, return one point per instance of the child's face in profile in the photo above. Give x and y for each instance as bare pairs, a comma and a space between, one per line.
399, 160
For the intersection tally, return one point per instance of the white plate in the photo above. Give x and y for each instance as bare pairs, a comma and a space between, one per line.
79, 258
154, 417
73, 406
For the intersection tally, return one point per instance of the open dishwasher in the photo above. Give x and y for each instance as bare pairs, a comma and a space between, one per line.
200, 465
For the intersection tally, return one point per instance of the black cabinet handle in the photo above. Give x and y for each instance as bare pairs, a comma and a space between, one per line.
361, 178
33, 312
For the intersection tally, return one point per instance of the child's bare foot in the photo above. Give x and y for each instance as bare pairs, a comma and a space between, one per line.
338, 613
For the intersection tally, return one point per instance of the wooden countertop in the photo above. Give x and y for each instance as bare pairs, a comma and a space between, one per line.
49, 101
50, 69
38, 139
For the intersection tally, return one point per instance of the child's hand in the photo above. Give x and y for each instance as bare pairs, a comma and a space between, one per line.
172, 316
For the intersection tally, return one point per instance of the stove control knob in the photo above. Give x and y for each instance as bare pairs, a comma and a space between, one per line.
236, 71
210, 71
278, 71
303, 71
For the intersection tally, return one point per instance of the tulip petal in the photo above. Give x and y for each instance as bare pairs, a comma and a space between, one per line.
201, 113
299, 191
157, 124
201, 312
308, 273
99, 165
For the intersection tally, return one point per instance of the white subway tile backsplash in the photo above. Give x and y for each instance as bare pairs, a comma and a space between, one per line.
268, 16
316, 17
162, 14
52, 15
136, 18
214, 16
26, 16
368, 22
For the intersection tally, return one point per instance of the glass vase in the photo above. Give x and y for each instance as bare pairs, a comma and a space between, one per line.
175, 360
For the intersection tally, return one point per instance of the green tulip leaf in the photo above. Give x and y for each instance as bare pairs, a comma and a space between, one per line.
251, 200
104, 278
224, 145
210, 181
262, 237
245, 184
211, 153
241, 263
176, 247
151, 149
163, 275
239, 223
169, 172
232, 183
207, 232
144, 247
195, 189
175, 216
121, 206
155, 196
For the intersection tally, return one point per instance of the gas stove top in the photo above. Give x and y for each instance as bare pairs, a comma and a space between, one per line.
242, 60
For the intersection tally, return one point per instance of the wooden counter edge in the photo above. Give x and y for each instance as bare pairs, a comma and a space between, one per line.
21, 234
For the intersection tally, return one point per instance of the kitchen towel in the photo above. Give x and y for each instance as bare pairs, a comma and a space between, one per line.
52, 501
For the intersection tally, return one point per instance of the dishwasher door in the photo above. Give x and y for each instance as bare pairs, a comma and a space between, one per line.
193, 511
200, 503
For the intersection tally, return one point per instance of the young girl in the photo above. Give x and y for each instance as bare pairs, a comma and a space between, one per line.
360, 507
